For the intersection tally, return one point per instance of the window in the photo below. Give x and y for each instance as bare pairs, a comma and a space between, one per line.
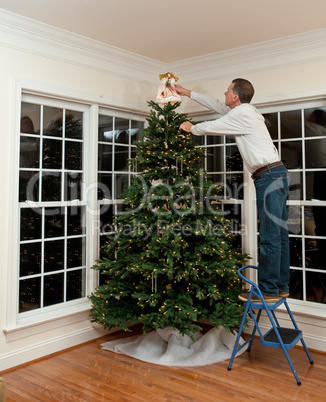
299, 133
116, 135
224, 167
63, 193
52, 263
300, 136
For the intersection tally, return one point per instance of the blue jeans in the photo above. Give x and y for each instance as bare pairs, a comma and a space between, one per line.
272, 189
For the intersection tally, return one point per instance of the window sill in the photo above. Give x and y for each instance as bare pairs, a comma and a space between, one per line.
46, 321
301, 308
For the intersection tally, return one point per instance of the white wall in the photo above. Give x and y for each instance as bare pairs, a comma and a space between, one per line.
104, 76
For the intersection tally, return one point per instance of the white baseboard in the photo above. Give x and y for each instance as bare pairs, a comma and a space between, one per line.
24, 355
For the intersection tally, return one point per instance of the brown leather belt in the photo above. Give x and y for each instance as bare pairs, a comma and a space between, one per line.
265, 168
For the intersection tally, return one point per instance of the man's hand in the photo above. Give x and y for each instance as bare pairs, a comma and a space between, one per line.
182, 91
186, 126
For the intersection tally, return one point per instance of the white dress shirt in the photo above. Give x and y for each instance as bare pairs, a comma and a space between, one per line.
246, 124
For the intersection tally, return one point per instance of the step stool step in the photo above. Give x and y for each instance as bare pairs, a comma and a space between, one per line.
289, 336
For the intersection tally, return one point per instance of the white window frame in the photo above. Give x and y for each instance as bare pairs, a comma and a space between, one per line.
35, 321
247, 203
27, 319
114, 201
299, 306
297, 100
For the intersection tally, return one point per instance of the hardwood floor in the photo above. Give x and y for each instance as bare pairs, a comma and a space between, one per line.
87, 373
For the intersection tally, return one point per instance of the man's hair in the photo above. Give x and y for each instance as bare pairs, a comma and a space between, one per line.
244, 89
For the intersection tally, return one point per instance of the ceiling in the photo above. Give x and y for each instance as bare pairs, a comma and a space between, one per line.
172, 30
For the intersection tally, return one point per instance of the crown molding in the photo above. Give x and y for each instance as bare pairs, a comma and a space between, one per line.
38, 38
290, 50
35, 37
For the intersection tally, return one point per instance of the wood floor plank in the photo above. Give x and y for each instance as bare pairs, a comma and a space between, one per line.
88, 373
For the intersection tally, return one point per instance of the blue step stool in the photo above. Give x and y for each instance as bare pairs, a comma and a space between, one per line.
276, 337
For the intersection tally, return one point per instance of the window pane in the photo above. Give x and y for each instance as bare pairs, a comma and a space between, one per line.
103, 242
73, 186
271, 120
319, 214
52, 121
320, 220
296, 284
105, 128
29, 152
233, 159
29, 294
216, 179
76, 221
30, 259
309, 226
75, 252
310, 185
53, 289
133, 154
296, 186
215, 159
229, 139
316, 188
52, 154
136, 130
54, 223
215, 139
121, 184
121, 131
74, 124
233, 214
198, 139
294, 219
53, 255
295, 251
234, 186
73, 155
202, 164
30, 223
311, 256
291, 124
28, 186
316, 287
105, 158
51, 186
121, 155
316, 153
106, 219
315, 122
30, 118
104, 186
291, 154
76, 284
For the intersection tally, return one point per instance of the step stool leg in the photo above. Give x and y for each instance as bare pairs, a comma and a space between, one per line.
307, 351
282, 346
296, 327
256, 321
235, 347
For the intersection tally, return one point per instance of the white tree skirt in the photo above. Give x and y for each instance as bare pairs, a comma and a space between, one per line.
170, 348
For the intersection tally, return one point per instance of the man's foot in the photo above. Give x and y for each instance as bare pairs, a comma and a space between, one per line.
283, 294
268, 299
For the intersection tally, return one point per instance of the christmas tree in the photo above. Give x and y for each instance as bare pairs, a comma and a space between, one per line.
171, 261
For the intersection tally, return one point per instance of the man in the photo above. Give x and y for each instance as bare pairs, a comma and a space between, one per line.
241, 119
